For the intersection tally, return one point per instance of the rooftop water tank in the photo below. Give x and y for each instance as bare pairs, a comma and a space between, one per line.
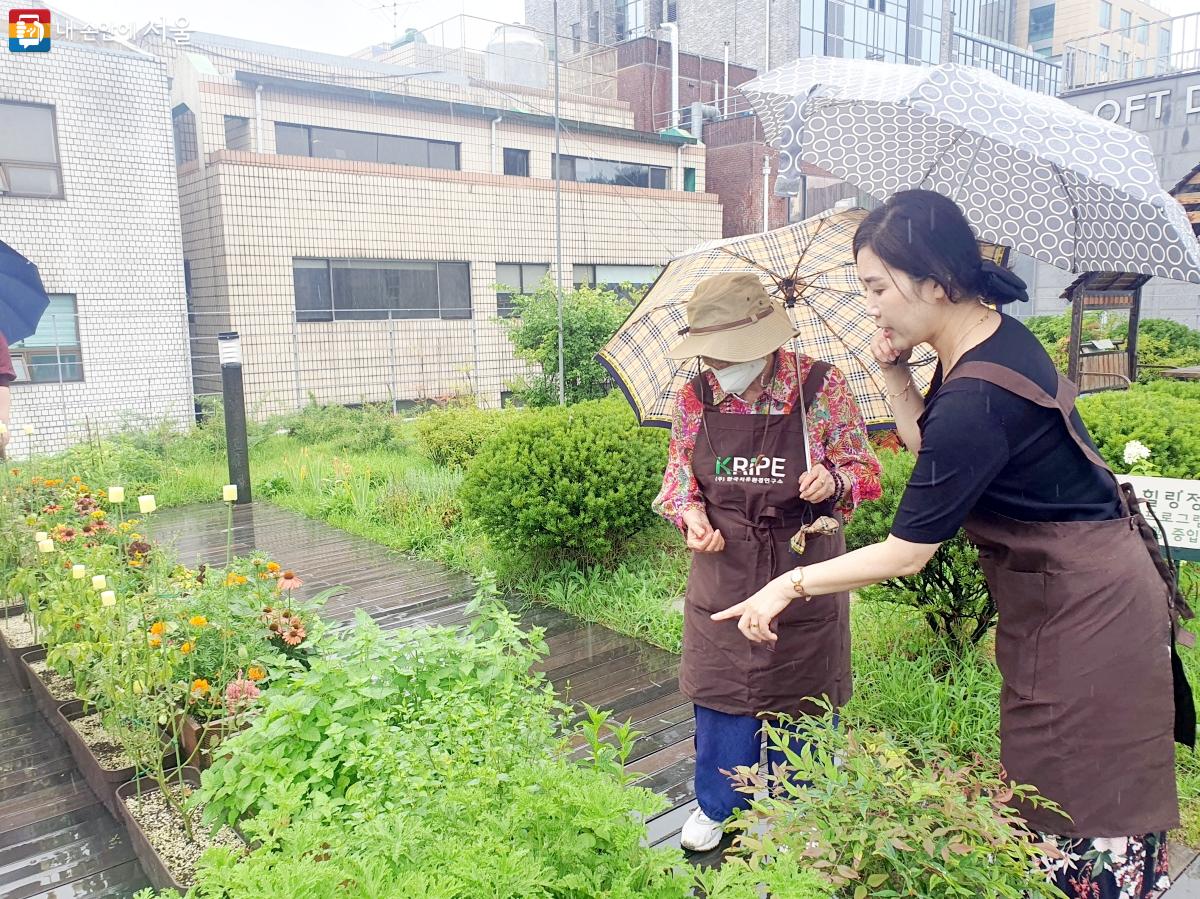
516, 55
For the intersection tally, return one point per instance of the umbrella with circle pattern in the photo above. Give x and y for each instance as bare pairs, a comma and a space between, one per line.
1030, 171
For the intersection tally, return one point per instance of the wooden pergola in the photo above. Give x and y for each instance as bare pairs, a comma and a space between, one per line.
1097, 367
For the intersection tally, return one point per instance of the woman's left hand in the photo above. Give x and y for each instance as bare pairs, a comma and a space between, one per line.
756, 613
817, 484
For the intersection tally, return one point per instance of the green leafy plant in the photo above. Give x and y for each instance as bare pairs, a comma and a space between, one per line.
590, 317
1164, 418
452, 436
882, 818
950, 591
569, 482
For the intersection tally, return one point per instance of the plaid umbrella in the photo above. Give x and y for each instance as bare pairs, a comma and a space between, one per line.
809, 266
1030, 171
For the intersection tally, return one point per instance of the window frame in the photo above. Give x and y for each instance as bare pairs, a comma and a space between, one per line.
524, 156
22, 355
1106, 12
568, 167
505, 308
329, 314
1046, 31
56, 166
429, 143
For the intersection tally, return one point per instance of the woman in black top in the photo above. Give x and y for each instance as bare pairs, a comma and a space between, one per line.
1085, 605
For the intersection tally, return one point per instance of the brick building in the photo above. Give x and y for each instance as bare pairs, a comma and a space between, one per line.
88, 192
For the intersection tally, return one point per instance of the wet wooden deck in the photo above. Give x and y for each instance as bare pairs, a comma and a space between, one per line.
587, 663
56, 840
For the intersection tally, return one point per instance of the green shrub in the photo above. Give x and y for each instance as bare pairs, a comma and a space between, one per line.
590, 317
452, 436
569, 482
360, 429
1161, 417
891, 818
1162, 343
950, 591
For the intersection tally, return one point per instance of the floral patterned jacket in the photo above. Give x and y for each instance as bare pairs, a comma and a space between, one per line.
835, 427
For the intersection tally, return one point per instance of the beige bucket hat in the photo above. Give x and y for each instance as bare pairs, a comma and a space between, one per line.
731, 317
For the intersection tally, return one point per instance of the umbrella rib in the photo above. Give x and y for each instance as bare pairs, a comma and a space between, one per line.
1074, 215
962, 132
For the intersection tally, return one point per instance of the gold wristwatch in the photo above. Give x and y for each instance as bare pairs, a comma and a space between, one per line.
796, 578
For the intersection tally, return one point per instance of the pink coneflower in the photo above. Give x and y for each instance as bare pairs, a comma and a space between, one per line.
289, 581
240, 693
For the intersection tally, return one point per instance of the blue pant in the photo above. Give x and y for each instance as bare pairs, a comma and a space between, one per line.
725, 742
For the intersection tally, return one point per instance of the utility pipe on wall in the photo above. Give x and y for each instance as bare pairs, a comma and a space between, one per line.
766, 189
767, 43
496, 121
258, 133
673, 30
725, 91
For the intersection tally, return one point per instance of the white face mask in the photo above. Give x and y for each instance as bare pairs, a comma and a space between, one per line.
739, 376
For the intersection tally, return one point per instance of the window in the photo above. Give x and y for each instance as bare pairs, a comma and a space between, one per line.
671, 13
1126, 20
51, 355
594, 27
514, 279
1103, 63
373, 289
1105, 14
614, 277
1041, 23
689, 180
516, 162
1124, 65
877, 5
576, 34
1164, 41
237, 133
29, 163
1143, 31
183, 126
604, 171
364, 146
631, 19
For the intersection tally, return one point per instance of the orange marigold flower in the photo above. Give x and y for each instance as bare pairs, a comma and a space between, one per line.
197, 621
158, 628
233, 579
255, 673
155, 642
272, 567
200, 686
186, 648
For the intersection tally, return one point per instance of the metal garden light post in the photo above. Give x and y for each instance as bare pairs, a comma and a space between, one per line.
229, 351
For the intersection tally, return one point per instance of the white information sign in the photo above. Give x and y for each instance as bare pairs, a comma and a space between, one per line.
1176, 502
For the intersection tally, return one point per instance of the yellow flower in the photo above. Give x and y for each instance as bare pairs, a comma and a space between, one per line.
255, 673
200, 686
155, 642
186, 648
158, 628
233, 579
272, 567
99, 514
197, 621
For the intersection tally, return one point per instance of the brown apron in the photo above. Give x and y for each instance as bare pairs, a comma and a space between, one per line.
747, 467
1084, 646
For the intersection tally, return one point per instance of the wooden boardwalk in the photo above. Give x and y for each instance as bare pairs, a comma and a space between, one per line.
587, 663
56, 839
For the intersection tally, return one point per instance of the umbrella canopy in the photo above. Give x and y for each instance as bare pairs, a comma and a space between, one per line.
1030, 171
810, 264
22, 297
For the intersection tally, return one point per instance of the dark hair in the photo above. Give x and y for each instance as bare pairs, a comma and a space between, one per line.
926, 236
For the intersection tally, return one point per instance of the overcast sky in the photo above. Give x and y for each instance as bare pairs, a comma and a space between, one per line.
343, 26
333, 27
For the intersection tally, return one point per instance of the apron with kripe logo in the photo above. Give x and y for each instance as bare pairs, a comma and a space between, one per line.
748, 467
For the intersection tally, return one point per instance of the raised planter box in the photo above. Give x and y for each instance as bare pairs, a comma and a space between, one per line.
103, 781
156, 869
12, 656
15, 608
196, 742
46, 701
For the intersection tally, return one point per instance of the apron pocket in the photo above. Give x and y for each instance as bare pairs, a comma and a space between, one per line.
1021, 601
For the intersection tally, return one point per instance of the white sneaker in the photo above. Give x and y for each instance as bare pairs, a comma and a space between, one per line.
701, 833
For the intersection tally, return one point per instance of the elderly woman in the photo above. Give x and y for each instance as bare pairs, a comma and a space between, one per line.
739, 485
1094, 696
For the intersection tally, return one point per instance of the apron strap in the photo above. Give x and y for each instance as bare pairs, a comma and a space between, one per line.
811, 388
1015, 382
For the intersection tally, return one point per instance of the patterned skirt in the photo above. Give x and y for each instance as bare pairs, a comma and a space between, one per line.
1110, 868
